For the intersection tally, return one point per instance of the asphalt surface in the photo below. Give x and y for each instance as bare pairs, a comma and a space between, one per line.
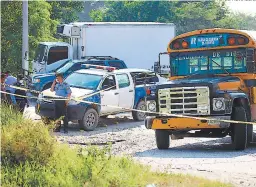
212, 158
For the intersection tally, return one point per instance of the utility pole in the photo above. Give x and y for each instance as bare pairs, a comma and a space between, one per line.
25, 36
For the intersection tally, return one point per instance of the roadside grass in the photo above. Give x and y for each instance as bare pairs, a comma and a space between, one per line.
31, 156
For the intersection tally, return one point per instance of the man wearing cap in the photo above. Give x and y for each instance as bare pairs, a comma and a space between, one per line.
61, 89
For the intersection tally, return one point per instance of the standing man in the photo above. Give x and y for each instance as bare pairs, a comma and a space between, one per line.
61, 89
10, 80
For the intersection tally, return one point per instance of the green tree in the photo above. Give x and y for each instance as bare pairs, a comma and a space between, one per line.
43, 19
11, 25
41, 28
65, 11
133, 11
187, 16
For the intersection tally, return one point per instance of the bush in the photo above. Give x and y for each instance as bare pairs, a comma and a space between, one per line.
9, 116
32, 157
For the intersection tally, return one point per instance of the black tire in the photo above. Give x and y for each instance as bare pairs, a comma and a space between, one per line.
90, 120
232, 138
162, 139
140, 116
240, 130
249, 133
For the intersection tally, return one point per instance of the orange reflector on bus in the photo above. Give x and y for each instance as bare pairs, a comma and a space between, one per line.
231, 41
176, 45
241, 41
148, 91
184, 44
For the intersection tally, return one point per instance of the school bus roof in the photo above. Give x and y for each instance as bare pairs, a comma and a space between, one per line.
251, 35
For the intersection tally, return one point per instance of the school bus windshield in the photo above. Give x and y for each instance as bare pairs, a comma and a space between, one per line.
208, 62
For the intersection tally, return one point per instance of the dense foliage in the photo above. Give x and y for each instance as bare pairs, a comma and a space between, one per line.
187, 16
43, 19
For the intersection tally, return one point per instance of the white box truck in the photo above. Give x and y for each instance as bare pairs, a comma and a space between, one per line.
136, 43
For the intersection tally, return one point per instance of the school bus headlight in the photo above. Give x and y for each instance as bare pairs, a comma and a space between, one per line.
151, 106
218, 104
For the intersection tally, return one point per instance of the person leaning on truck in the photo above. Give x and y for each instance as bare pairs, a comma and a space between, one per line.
61, 89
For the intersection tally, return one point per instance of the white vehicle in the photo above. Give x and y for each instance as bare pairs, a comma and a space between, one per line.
126, 89
136, 43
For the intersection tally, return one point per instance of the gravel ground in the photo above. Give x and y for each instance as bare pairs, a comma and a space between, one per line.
207, 157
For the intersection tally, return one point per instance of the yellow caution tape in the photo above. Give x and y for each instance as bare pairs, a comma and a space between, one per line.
131, 109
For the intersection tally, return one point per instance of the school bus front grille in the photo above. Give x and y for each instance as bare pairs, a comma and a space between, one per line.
184, 100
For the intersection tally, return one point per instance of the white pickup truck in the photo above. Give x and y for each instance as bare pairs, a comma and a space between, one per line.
125, 89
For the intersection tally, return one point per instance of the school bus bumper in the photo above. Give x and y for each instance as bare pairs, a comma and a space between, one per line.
185, 123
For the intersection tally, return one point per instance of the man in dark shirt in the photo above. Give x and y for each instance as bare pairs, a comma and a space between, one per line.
61, 89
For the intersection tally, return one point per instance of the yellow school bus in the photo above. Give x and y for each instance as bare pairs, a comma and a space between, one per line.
213, 75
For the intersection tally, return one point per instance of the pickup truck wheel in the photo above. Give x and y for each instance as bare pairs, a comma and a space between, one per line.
139, 116
240, 130
162, 139
90, 120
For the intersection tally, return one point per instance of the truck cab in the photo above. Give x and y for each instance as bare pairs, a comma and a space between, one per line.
50, 56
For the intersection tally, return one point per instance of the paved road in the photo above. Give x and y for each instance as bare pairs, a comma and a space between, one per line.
207, 157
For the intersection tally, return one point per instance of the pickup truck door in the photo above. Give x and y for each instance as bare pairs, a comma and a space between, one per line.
126, 90
109, 97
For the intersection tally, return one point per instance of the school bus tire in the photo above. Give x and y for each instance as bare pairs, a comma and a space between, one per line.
162, 139
249, 133
240, 130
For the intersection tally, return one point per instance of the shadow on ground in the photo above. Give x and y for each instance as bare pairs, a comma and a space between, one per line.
218, 148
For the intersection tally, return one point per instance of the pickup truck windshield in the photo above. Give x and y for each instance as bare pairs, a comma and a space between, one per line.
84, 80
208, 62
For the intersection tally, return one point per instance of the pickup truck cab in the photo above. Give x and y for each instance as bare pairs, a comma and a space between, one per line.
104, 91
42, 82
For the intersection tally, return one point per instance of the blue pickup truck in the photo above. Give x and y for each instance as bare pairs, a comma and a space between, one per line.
123, 90
42, 82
